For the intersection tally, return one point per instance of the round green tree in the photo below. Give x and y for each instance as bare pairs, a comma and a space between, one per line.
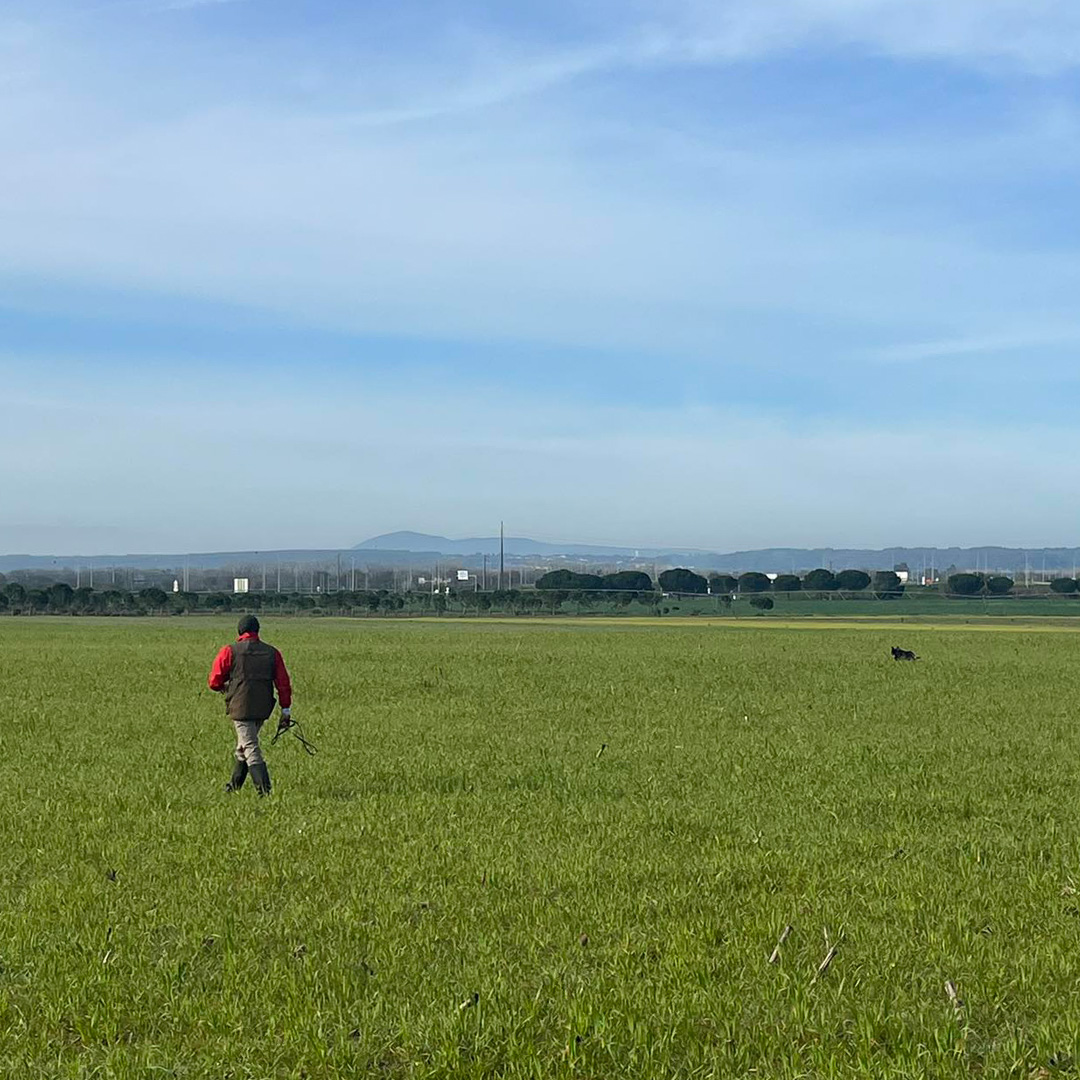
852, 580
787, 583
722, 583
887, 585
966, 584
1065, 585
820, 580
754, 582
681, 580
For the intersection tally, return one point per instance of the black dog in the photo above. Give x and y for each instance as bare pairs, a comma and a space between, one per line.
902, 654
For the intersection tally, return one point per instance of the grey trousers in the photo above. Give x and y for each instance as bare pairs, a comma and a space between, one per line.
247, 741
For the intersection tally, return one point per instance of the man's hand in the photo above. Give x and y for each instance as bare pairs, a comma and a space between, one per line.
286, 720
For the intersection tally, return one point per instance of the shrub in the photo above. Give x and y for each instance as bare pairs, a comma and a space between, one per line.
787, 583
763, 603
999, 585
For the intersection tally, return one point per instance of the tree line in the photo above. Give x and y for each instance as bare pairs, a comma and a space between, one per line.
551, 591
61, 599
885, 583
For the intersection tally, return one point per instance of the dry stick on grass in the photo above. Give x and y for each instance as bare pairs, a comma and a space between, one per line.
783, 937
955, 998
830, 956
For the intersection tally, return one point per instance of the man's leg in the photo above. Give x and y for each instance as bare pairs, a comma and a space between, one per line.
239, 775
240, 768
249, 751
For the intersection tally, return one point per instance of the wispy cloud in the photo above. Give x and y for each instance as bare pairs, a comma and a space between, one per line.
1036, 35
988, 345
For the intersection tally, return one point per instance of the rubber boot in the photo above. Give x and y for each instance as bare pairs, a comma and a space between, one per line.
260, 777
239, 775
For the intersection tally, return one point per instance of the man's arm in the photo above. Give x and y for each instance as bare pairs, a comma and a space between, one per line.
281, 682
219, 673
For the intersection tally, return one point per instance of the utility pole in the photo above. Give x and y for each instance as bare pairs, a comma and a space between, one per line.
485, 573
279, 576
501, 555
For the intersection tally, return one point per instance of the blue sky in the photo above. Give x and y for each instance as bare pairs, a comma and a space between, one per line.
726, 274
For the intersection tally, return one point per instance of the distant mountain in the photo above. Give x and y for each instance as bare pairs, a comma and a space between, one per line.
206, 560
425, 544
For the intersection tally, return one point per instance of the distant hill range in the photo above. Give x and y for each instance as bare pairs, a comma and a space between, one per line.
423, 543
421, 550
767, 560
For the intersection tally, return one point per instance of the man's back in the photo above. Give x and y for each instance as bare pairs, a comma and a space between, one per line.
249, 694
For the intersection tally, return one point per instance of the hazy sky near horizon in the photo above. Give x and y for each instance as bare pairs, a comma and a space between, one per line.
713, 273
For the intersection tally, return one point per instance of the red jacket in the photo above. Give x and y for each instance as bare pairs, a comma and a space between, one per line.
219, 673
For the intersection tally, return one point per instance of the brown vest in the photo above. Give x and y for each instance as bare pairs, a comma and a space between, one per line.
249, 694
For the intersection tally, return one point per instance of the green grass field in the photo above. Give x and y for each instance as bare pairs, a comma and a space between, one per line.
457, 839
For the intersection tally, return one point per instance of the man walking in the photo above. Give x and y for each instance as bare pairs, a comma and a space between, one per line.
247, 672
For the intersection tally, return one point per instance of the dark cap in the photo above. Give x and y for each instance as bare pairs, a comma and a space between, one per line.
248, 624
